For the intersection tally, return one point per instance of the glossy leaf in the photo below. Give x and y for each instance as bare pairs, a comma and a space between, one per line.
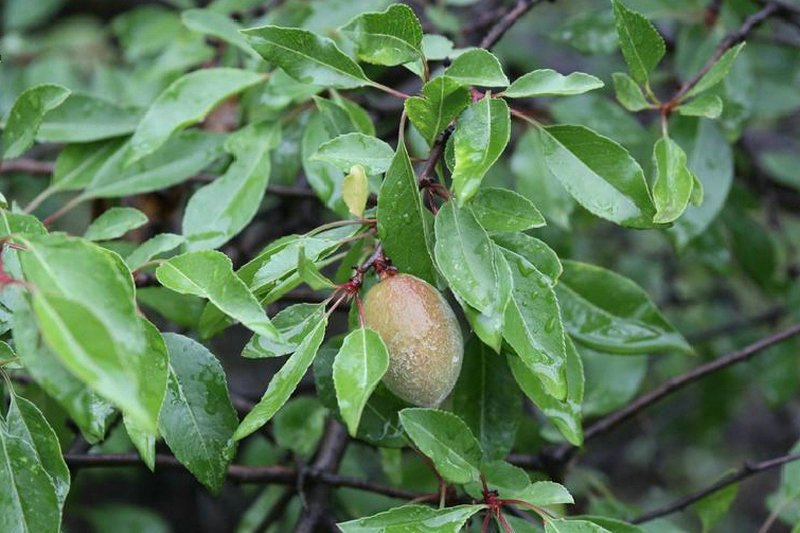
85, 118
534, 251
186, 101
446, 440
600, 174
672, 189
404, 226
481, 135
563, 525
358, 368
418, 518
611, 381
442, 100
641, 44
152, 247
284, 382
351, 149
389, 38
26, 116
210, 275
565, 413
143, 440
208, 22
477, 67
306, 56
488, 399
717, 72
115, 223
198, 420
299, 425
294, 324
505, 210
218, 211
609, 312
628, 92
548, 82
355, 190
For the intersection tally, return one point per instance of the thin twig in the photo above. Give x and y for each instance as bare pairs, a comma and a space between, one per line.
28, 166
747, 470
506, 21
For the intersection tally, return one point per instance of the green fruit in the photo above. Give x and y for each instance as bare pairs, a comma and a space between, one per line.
422, 335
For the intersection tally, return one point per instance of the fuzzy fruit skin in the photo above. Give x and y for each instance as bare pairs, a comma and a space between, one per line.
422, 335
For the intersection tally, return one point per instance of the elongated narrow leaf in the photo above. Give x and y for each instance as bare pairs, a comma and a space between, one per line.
390, 38
446, 440
143, 440
488, 399
600, 174
294, 324
358, 368
641, 44
114, 223
306, 56
564, 414
505, 210
210, 275
159, 244
27, 114
283, 383
198, 420
442, 100
222, 27
414, 518
404, 225
717, 72
611, 313
28, 499
351, 149
221, 209
186, 101
548, 82
674, 182
481, 135
84, 118
477, 67
26, 422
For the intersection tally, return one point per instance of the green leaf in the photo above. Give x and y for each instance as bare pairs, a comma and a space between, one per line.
481, 135
466, 258
389, 38
299, 425
355, 190
89, 412
186, 101
609, 312
306, 57
87, 314
717, 72
548, 82
600, 174
564, 414
28, 499
628, 92
217, 25
159, 244
613, 525
351, 149
706, 105
533, 324
143, 440
641, 44
674, 181
218, 211
284, 382
294, 324
209, 274
24, 421
417, 518
477, 67
442, 100
534, 252
611, 381
198, 420
488, 399
715, 506
562, 525
404, 226
446, 440
505, 210
115, 223
86, 118
358, 368
27, 114
710, 158
310, 274
546, 493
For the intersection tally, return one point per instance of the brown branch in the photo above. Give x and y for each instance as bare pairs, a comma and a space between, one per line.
506, 20
747, 470
28, 166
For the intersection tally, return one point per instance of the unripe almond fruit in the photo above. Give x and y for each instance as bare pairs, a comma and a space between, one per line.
422, 335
